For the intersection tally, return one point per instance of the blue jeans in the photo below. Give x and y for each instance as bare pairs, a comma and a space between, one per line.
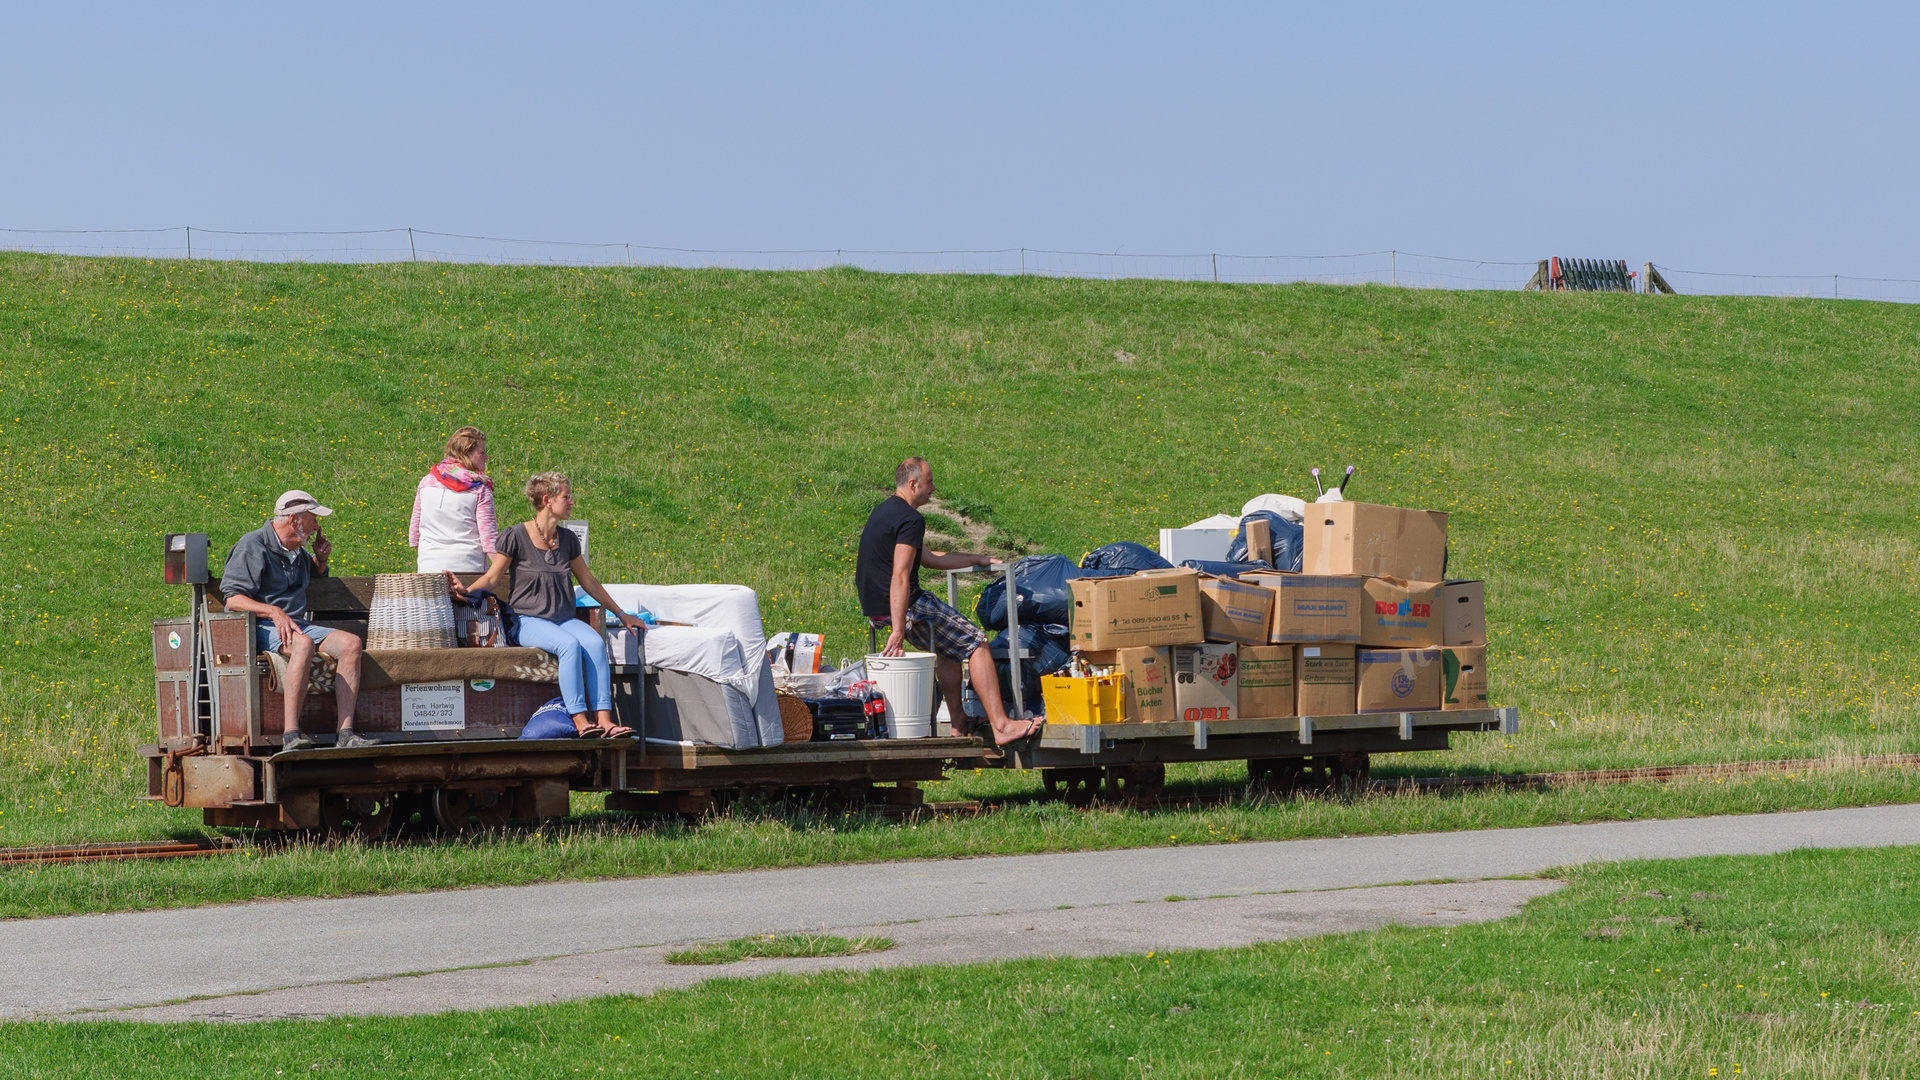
582, 653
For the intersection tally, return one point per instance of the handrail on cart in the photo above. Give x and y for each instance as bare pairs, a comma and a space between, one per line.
1015, 652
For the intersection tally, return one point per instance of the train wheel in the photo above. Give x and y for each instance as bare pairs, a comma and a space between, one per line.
412, 816
1350, 774
1076, 787
462, 811
355, 817
1279, 777
1137, 785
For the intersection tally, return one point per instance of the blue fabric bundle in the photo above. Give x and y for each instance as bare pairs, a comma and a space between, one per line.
550, 721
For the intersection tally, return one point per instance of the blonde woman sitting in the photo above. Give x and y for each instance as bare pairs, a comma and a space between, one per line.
541, 561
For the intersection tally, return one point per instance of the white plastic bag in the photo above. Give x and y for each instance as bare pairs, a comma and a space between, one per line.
1288, 507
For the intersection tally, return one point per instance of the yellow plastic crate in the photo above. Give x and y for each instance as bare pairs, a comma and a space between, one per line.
1073, 700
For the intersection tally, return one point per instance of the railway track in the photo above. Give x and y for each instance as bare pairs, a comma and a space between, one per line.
1510, 781
179, 849
144, 849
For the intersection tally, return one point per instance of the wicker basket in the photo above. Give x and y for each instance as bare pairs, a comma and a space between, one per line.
410, 611
796, 720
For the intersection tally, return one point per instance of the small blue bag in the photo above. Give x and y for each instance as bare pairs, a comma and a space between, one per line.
550, 721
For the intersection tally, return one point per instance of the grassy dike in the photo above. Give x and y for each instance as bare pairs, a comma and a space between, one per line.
1695, 514
1806, 964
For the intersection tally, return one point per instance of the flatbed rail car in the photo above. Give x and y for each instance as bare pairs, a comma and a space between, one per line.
1127, 762
220, 715
220, 718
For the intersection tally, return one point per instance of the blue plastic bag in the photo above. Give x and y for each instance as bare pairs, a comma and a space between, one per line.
550, 721
1224, 569
1044, 594
1049, 648
1124, 557
1287, 540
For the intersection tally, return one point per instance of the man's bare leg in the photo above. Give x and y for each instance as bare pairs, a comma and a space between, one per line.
947, 672
346, 648
299, 654
986, 685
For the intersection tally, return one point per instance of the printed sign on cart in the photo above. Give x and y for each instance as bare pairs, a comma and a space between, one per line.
437, 706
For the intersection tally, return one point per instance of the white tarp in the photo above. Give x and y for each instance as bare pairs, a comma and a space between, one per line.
1288, 507
724, 639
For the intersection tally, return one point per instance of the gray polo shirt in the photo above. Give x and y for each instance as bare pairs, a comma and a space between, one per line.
260, 568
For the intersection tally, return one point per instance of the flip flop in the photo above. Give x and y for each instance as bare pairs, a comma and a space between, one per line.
1038, 723
615, 732
590, 732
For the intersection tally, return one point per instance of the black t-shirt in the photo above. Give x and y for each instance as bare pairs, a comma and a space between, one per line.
893, 522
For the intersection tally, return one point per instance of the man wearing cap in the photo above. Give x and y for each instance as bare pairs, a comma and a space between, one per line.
267, 573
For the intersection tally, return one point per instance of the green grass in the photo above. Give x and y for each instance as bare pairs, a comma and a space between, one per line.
607, 846
1797, 965
1696, 515
778, 946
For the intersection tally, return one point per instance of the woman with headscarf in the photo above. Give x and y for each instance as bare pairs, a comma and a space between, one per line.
453, 519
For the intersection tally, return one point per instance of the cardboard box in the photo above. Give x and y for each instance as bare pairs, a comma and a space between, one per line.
1149, 675
1153, 607
1399, 614
1266, 681
1377, 541
1323, 680
1233, 610
1314, 607
1463, 613
1206, 681
1259, 541
1398, 680
1463, 673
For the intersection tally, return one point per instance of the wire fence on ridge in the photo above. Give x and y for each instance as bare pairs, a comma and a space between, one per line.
402, 244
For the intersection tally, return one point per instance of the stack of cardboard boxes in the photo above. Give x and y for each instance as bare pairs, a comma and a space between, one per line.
1369, 625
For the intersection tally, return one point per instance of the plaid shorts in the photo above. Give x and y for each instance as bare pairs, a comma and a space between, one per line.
933, 625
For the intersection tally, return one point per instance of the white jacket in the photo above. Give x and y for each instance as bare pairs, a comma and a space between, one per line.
454, 530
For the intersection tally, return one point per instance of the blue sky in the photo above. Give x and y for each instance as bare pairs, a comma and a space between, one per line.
1764, 138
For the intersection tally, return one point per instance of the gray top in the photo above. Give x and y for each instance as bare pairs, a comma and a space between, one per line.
260, 568
542, 580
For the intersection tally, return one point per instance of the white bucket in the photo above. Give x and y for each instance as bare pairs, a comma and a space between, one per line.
907, 683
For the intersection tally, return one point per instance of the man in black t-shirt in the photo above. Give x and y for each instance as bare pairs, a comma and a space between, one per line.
887, 578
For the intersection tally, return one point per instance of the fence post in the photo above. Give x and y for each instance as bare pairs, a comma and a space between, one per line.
1216, 268
1023, 262
628, 248
189, 229
1836, 286
1393, 266
410, 248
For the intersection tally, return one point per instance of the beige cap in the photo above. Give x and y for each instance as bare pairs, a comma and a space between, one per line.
299, 502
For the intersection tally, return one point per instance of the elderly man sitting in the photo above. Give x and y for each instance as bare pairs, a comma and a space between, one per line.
267, 573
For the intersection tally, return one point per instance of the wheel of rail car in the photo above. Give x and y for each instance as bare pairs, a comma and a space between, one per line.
1319, 775
361, 817
1351, 774
462, 811
412, 815
1076, 787
1275, 776
1138, 784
